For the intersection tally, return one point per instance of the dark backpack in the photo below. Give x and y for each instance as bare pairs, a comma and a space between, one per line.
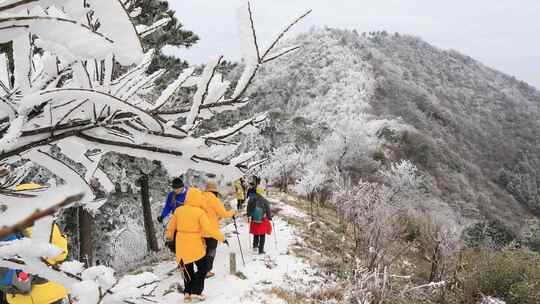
14, 281
257, 215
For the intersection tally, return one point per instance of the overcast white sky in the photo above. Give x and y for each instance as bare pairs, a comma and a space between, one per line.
503, 34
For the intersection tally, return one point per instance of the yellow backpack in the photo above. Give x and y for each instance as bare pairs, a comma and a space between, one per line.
47, 292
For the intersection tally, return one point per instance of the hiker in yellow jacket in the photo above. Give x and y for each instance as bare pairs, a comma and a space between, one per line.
189, 222
215, 211
240, 194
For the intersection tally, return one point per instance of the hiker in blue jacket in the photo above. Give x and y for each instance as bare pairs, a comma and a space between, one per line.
175, 198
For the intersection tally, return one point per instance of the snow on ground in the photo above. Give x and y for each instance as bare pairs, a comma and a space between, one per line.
278, 268
285, 209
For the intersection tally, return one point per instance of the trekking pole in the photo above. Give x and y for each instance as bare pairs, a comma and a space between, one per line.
275, 233
238, 238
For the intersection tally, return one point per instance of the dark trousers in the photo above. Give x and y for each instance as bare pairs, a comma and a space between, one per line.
211, 246
240, 204
258, 242
194, 281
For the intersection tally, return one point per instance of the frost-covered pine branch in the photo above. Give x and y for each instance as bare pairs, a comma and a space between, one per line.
94, 106
71, 96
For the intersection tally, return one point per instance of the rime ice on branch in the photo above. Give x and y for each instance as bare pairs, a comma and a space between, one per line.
70, 93
71, 76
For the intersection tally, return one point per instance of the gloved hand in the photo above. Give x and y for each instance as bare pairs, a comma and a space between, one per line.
160, 219
226, 242
171, 245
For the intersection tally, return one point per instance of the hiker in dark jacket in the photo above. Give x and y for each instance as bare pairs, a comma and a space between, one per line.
175, 198
259, 217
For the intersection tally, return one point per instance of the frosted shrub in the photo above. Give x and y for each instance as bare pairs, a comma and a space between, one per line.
284, 166
374, 210
368, 286
512, 275
402, 176
491, 300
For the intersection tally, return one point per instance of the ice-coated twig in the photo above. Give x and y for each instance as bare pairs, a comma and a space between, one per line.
38, 214
28, 21
254, 32
169, 91
202, 92
154, 27
15, 4
67, 114
281, 54
282, 34
128, 145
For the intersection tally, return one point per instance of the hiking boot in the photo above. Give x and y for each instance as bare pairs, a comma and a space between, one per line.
199, 298
255, 249
210, 274
262, 252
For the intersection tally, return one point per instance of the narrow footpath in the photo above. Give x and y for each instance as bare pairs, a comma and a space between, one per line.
278, 269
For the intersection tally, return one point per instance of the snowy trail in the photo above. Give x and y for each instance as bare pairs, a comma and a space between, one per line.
278, 268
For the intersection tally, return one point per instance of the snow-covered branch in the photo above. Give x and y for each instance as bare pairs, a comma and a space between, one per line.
79, 86
38, 214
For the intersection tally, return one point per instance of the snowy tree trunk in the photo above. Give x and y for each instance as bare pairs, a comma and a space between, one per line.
85, 237
151, 239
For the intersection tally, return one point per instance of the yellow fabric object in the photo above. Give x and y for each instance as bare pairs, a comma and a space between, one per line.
261, 191
30, 186
215, 211
47, 293
239, 190
61, 242
190, 222
57, 239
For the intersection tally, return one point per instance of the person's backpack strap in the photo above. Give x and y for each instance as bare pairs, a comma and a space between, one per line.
182, 196
173, 200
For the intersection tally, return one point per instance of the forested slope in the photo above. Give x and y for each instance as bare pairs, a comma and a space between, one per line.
472, 130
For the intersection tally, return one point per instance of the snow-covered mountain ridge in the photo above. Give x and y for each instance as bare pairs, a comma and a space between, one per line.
471, 130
